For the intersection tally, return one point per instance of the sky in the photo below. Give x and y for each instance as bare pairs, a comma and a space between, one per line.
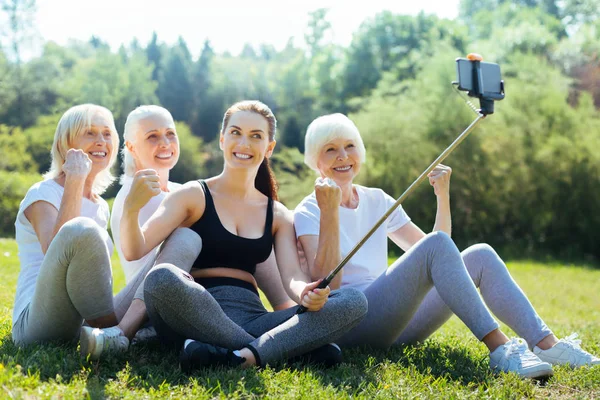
228, 24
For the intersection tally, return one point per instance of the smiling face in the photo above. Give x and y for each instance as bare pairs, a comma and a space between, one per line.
156, 145
96, 141
245, 140
339, 159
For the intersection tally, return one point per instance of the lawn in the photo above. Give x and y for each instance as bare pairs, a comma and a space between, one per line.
452, 364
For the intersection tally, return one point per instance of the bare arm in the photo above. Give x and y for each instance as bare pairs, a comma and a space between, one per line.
297, 283
177, 209
322, 251
406, 236
269, 281
45, 219
439, 178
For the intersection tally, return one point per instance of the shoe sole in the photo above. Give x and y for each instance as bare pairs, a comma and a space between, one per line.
540, 374
88, 343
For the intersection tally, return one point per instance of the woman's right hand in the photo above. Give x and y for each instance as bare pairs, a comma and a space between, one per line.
328, 193
145, 185
314, 298
77, 164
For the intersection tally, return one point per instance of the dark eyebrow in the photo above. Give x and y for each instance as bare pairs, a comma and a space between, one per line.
239, 129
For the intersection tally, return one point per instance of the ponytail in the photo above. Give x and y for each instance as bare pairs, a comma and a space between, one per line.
265, 180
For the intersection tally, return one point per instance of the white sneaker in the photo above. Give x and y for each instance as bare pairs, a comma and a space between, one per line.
567, 351
514, 356
95, 341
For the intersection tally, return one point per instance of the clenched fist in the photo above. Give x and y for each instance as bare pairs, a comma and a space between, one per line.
328, 193
145, 185
439, 178
77, 164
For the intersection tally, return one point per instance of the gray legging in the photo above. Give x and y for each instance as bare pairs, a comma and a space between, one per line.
75, 281
499, 291
419, 292
234, 317
395, 296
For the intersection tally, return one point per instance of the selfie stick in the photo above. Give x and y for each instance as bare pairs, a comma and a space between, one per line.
481, 114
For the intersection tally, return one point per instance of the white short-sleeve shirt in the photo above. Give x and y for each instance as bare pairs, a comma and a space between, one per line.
371, 260
131, 268
30, 249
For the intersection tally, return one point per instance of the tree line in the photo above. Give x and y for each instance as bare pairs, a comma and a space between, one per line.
526, 180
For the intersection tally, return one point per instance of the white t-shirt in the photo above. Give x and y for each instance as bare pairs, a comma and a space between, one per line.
30, 250
371, 260
131, 268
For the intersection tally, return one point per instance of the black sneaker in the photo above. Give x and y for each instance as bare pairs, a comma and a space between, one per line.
196, 355
328, 355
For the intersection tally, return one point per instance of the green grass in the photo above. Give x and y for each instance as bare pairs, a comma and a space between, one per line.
452, 364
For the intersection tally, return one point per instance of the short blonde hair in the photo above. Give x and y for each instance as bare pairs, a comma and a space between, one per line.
326, 128
132, 126
74, 122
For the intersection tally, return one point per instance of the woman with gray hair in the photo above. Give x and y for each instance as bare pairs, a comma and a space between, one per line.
419, 292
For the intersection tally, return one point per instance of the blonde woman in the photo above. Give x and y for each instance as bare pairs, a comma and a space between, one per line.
64, 248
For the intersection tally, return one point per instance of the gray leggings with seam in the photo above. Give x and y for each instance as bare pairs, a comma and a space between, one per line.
422, 289
75, 282
234, 317
499, 291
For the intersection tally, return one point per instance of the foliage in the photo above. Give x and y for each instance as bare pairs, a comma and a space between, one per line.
526, 179
13, 187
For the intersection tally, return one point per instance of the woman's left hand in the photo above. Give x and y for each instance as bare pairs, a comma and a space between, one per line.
439, 178
313, 298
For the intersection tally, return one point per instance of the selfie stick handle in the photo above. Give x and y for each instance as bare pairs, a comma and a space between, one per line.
404, 195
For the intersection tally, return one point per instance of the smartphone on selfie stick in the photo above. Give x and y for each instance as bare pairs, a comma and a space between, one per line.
479, 79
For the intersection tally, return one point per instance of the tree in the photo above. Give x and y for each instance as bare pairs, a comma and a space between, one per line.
19, 33
207, 109
191, 158
399, 43
19, 29
154, 55
175, 83
317, 29
248, 52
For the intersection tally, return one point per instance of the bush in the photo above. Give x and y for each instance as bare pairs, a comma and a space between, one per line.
13, 186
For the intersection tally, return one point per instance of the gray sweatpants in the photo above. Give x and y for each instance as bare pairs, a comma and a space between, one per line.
75, 282
499, 291
234, 317
396, 295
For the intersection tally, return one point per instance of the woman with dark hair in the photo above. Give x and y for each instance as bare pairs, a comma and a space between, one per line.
216, 306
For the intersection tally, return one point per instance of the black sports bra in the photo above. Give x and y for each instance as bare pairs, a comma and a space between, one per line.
221, 248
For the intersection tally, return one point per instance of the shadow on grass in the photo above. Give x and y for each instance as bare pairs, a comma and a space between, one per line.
150, 366
363, 367
142, 367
